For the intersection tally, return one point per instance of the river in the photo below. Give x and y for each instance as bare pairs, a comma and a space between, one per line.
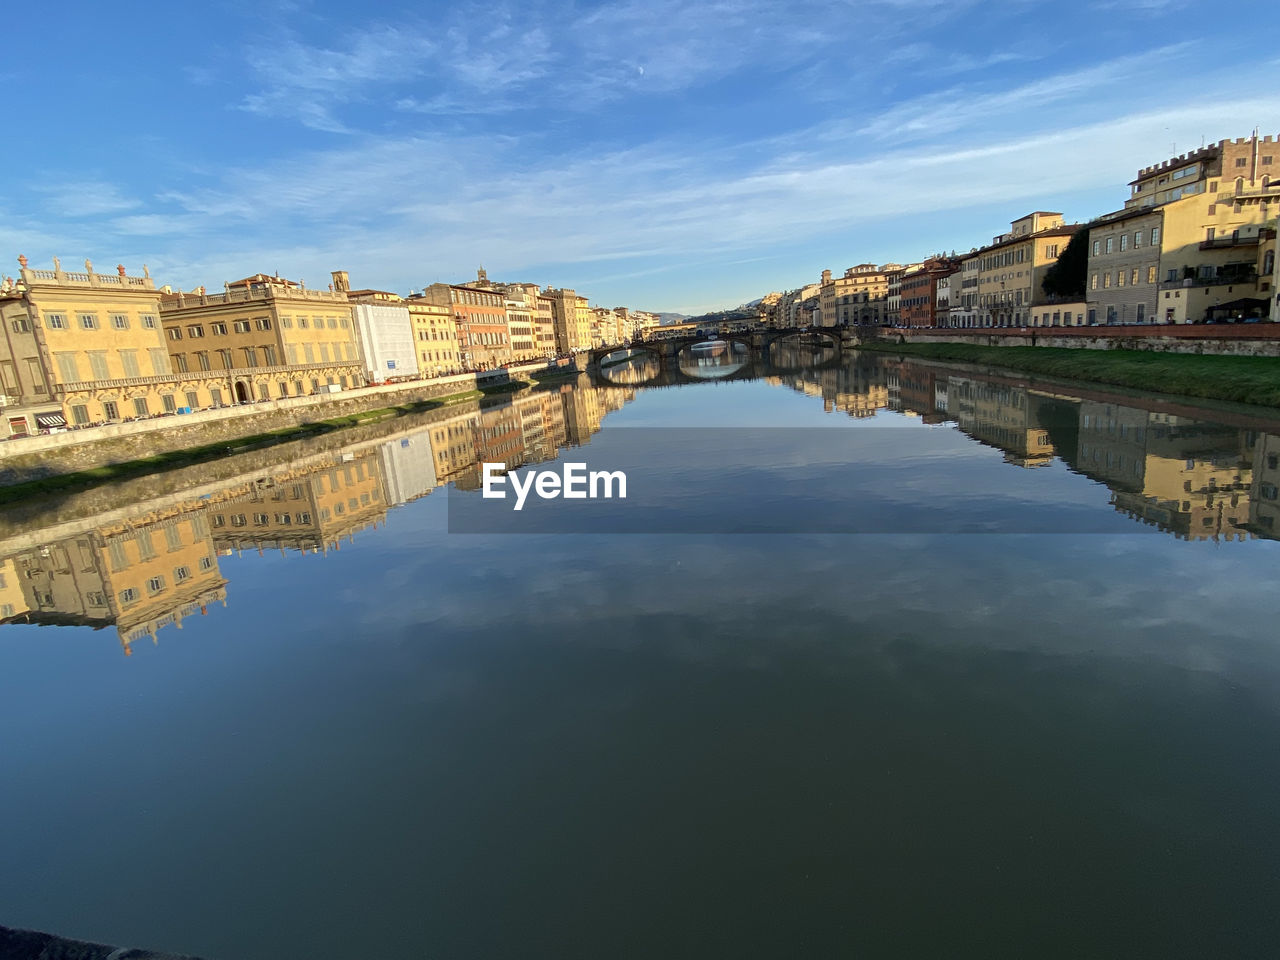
877, 658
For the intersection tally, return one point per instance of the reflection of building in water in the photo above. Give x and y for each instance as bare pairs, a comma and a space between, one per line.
1264, 500
312, 510
1188, 477
408, 468
858, 389
139, 576
1002, 416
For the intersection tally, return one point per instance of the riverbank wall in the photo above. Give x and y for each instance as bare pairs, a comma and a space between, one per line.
1239, 340
34, 458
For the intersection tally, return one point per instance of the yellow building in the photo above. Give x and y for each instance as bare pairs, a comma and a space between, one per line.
435, 337
81, 348
263, 337
1213, 252
1011, 268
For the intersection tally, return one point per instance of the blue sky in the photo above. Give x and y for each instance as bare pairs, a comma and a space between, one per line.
665, 154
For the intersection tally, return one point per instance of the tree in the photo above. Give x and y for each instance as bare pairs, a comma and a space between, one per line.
1066, 278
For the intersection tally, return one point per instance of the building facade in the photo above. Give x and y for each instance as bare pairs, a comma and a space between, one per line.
82, 348
263, 338
435, 338
481, 317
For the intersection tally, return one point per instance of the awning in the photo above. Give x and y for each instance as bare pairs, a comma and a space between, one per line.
50, 420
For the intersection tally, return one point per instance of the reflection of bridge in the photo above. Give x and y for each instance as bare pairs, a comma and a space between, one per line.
667, 353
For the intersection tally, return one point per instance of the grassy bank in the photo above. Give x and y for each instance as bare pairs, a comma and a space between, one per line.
172, 459
1254, 380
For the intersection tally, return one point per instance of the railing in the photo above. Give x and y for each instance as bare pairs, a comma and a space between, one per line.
258, 292
87, 279
1218, 243
1214, 281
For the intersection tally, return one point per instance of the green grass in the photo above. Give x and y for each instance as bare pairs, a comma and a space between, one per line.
172, 459
1253, 380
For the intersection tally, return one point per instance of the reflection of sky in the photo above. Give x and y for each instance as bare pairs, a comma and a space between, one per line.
375, 749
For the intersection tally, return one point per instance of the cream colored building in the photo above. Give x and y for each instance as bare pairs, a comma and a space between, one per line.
571, 315
263, 338
81, 348
860, 296
1011, 268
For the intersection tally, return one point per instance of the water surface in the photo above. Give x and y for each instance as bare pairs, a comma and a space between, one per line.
287, 713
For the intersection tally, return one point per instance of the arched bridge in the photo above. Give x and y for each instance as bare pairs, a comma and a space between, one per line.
668, 349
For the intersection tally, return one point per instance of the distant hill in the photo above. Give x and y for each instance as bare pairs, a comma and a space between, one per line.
665, 318
746, 312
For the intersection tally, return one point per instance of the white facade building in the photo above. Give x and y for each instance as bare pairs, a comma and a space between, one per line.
386, 340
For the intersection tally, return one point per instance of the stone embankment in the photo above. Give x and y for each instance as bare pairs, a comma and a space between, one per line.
33, 458
1225, 339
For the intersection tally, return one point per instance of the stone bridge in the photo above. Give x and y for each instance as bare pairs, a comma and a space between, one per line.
667, 352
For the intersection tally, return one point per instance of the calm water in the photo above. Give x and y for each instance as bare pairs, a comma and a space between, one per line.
283, 712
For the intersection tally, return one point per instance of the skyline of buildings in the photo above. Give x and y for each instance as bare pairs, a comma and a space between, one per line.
1194, 240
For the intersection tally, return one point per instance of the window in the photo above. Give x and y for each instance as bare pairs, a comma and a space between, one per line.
1119, 278
193, 399
98, 365
168, 402
302, 323
56, 321
269, 355
130, 360
181, 573
263, 323
202, 359
1137, 239
242, 326
148, 322
1241, 161
333, 323
250, 356
128, 596
195, 331
1124, 242
1266, 159
1209, 234
1110, 243
159, 361
68, 372
20, 325
175, 333
1106, 280
88, 321
1133, 277
1142, 312
264, 392
215, 396
218, 329
119, 321
1095, 247
79, 413
1151, 274
286, 322
140, 408
180, 362
225, 357
206, 563
110, 410
155, 584
1155, 236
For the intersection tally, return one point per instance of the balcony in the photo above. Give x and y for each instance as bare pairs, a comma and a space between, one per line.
1223, 243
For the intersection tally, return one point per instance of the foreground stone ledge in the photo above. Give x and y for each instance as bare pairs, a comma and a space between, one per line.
32, 945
